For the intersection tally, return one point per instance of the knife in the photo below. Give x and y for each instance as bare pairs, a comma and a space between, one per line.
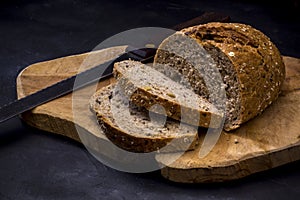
66, 86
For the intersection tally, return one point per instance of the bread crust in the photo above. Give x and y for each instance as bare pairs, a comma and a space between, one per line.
257, 62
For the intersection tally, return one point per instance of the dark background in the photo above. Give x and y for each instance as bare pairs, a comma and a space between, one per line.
37, 165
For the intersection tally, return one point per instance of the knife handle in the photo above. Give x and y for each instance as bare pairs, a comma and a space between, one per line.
202, 19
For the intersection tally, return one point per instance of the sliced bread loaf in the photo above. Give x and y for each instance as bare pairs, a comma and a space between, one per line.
135, 129
250, 65
147, 87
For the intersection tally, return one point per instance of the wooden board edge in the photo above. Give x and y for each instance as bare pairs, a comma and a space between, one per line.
241, 169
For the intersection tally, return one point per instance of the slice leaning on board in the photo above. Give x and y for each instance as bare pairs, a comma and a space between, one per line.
147, 87
249, 64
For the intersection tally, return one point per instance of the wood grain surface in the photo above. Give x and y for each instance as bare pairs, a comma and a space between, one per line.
270, 140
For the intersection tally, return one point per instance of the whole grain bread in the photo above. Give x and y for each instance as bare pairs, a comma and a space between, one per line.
147, 87
250, 65
135, 129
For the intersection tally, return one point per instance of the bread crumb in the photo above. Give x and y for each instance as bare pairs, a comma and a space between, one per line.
186, 140
231, 53
147, 88
236, 141
150, 45
171, 95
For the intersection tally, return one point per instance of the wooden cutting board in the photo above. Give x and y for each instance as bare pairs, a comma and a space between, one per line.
268, 141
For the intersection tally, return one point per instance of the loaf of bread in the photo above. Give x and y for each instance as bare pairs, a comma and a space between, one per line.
249, 64
147, 87
238, 71
135, 129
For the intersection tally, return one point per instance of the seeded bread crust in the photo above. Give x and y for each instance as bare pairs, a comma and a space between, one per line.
150, 87
255, 61
141, 142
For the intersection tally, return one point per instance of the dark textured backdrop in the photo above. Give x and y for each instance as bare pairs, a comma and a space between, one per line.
38, 165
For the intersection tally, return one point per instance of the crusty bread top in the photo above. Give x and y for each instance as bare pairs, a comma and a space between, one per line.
256, 59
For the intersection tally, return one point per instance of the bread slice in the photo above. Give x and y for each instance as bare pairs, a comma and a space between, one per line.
135, 129
147, 87
250, 65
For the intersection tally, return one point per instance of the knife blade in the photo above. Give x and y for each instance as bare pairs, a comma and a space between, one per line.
67, 85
